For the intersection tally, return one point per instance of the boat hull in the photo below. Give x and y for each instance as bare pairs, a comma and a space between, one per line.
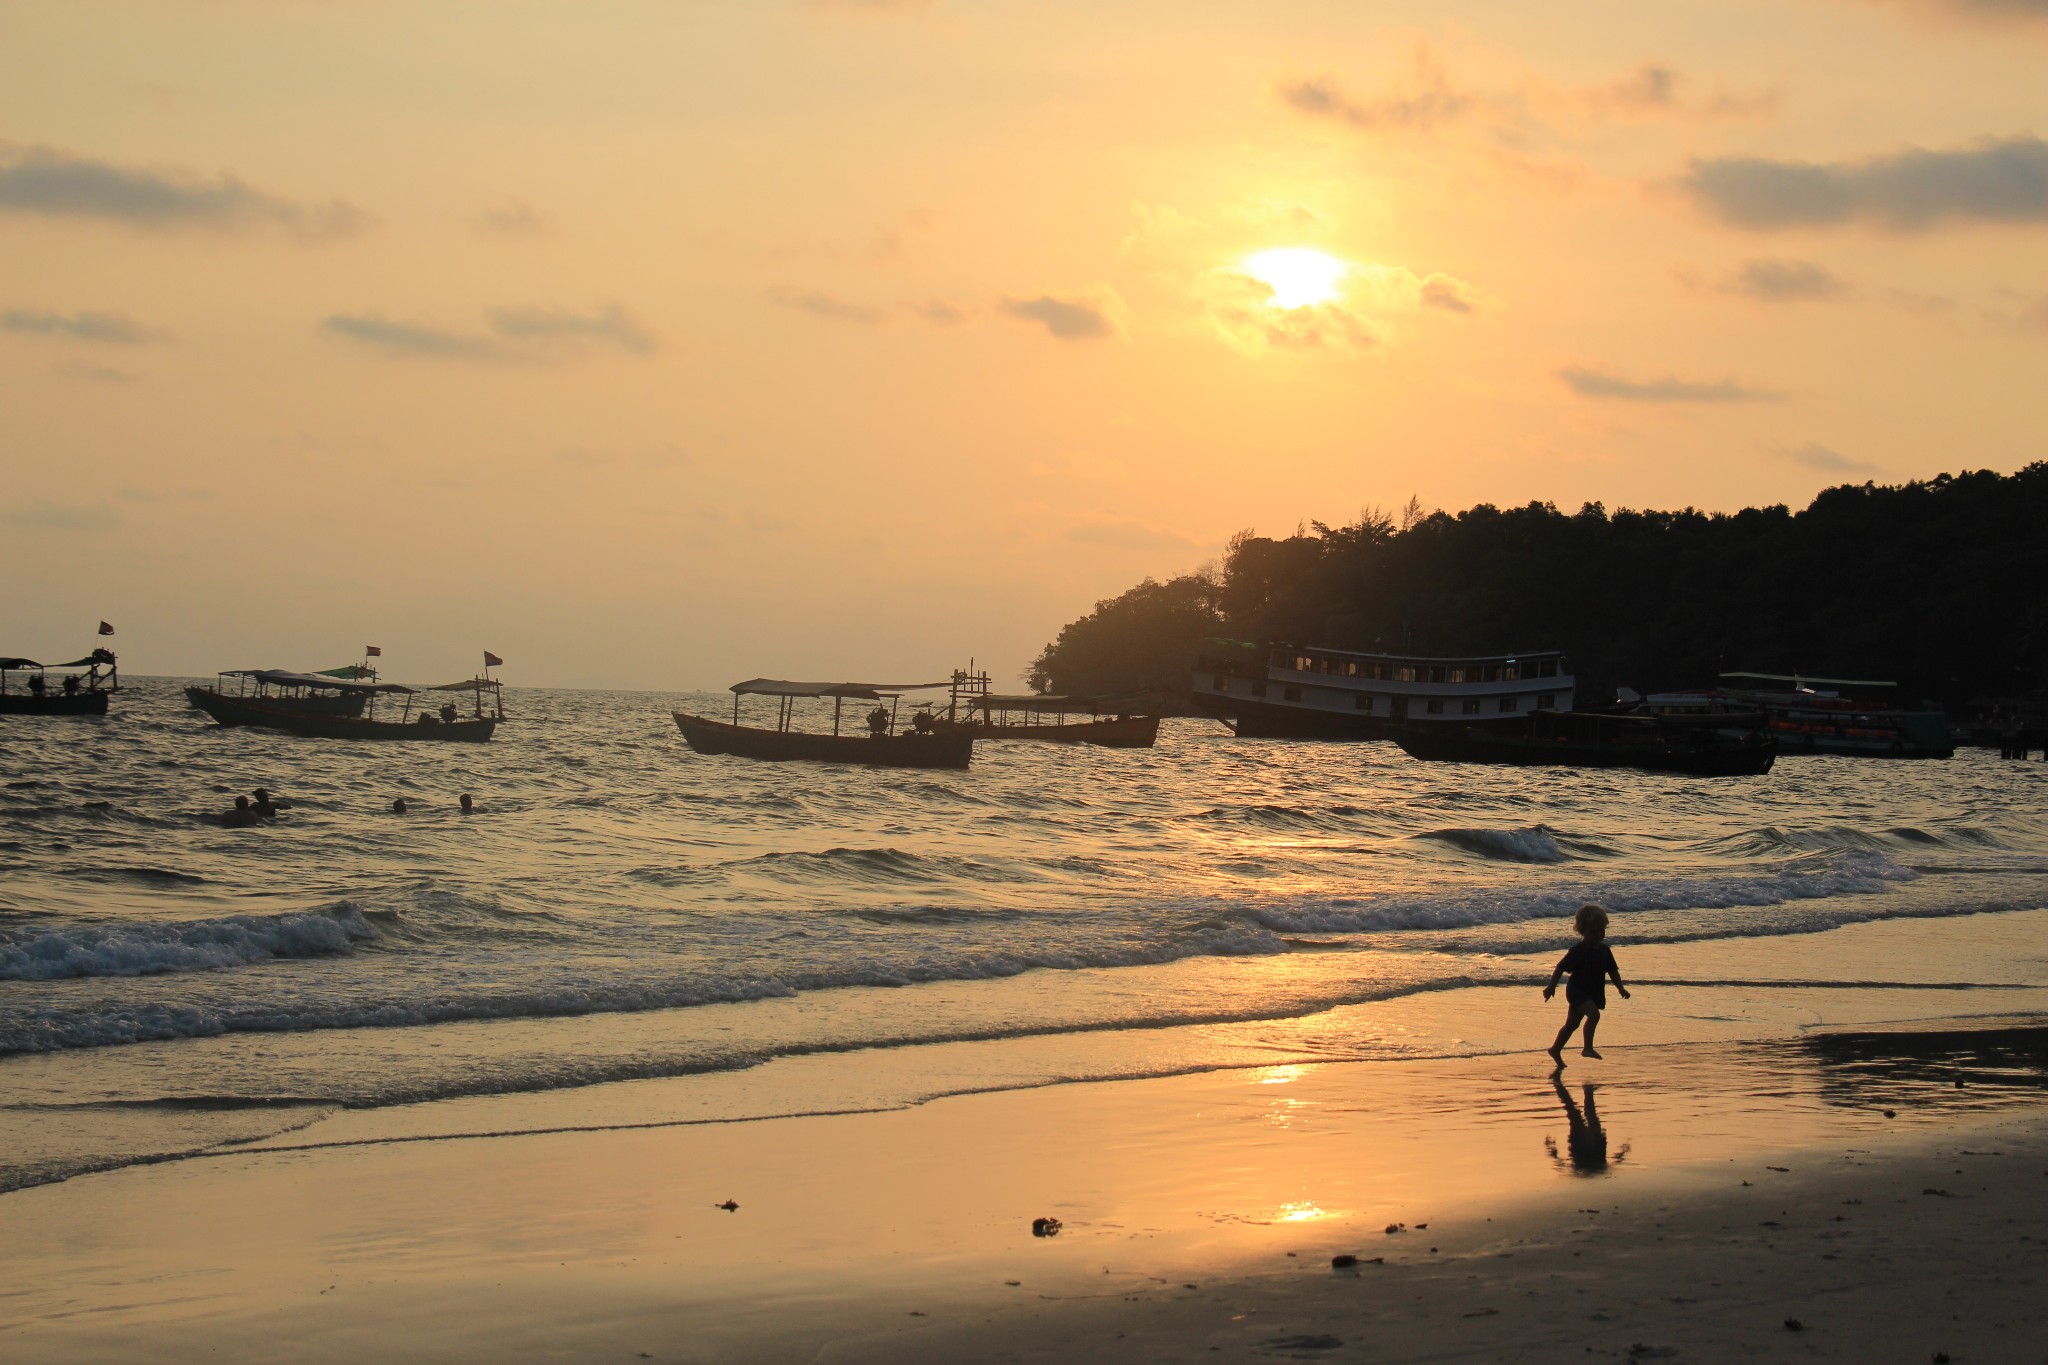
1253, 719
890, 751
343, 704
1111, 732
54, 703
1475, 744
238, 711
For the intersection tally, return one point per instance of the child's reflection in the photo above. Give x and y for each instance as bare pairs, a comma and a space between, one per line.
1587, 1142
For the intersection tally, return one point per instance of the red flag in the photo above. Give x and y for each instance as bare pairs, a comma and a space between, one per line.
372, 652
492, 661
106, 629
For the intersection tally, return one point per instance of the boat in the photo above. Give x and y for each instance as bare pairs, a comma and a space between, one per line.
1812, 716
314, 693
1701, 747
267, 710
880, 745
1288, 691
1037, 716
75, 694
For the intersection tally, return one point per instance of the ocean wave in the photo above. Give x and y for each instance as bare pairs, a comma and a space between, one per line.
148, 949
874, 866
1524, 844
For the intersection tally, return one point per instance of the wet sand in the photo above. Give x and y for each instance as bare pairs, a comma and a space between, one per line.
1536, 1221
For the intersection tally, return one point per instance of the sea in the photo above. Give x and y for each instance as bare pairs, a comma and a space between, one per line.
619, 910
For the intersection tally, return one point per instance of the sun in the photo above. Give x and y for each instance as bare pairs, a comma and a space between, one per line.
1299, 276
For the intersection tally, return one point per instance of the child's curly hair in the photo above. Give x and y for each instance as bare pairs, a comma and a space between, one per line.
1591, 922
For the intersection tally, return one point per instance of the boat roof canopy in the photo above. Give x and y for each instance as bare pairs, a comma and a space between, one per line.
468, 685
284, 677
19, 663
776, 687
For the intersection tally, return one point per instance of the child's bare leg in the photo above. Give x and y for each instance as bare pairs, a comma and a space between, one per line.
1592, 1022
1564, 1035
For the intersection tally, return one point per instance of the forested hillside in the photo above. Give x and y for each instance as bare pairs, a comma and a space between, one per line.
1941, 585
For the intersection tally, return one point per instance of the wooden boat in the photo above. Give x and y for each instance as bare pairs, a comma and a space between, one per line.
320, 693
1038, 717
76, 693
447, 725
1812, 716
883, 746
1713, 748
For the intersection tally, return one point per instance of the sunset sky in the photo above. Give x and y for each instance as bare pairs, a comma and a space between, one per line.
661, 344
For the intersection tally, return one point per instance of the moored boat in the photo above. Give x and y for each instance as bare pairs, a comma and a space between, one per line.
1812, 716
267, 709
1040, 717
1288, 691
1701, 748
76, 693
882, 746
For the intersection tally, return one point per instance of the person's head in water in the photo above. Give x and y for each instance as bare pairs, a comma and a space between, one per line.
398, 805
468, 806
241, 803
1591, 923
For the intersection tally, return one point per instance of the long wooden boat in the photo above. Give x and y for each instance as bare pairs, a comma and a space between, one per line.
324, 694
1599, 740
882, 746
973, 710
1811, 716
269, 715
906, 750
76, 694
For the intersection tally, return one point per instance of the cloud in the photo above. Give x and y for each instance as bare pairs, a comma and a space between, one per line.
512, 218
940, 311
1442, 291
820, 304
1814, 455
45, 515
59, 184
1125, 533
1651, 87
1996, 180
410, 339
1595, 384
117, 328
612, 324
1427, 101
1070, 319
1776, 281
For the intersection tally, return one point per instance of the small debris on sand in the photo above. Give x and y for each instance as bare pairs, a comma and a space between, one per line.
1306, 1342
1045, 1227
1343, 1261
730, 1206
1939, 1194
1794, 1325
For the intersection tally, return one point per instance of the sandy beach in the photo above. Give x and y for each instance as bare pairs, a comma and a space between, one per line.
1677, 1199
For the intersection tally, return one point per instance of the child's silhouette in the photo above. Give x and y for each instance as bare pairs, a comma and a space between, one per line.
1588, 964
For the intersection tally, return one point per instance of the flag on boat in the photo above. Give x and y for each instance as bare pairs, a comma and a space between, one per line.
106, 629
492, 661
372, 652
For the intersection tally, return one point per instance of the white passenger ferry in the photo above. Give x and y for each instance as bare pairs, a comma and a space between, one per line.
1303, 692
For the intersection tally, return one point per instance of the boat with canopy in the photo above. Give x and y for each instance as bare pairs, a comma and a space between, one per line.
1712, 746
277, 699
877, 743
81, 689
1039, 716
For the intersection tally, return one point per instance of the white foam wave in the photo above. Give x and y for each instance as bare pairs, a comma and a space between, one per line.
131, 949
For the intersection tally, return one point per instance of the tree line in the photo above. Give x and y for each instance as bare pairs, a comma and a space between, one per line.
1938, 584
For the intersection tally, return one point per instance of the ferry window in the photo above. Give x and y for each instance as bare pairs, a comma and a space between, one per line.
1471, 707
1404, 673
1436, 675
1290, 694
1454, 675
1547, 702
1549, 669
1363, 701
1258, 689
1351, 669
1493, 673
1222, 685
1509, 703
1435, 707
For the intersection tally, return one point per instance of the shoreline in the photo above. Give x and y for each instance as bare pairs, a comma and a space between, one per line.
898, 1234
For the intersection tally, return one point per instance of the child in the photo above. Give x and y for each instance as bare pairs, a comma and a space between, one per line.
1589, 963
